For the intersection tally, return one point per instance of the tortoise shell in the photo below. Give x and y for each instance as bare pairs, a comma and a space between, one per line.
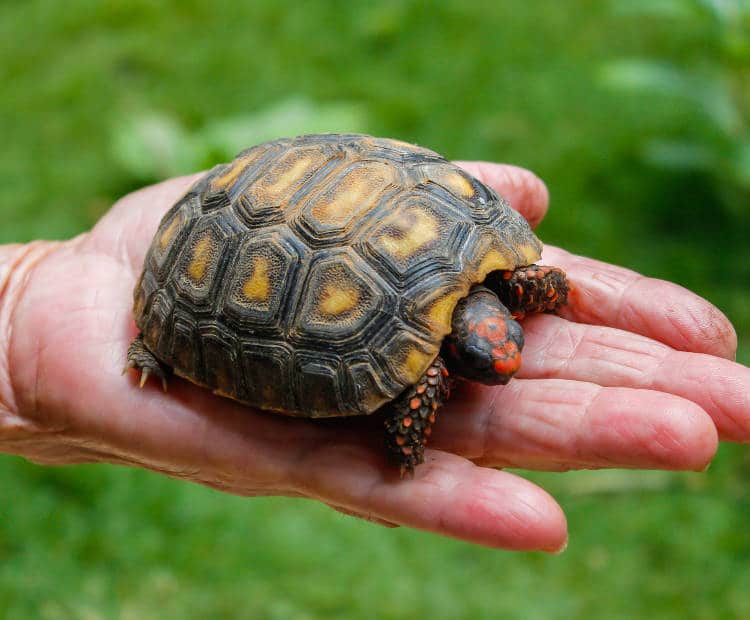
317, 276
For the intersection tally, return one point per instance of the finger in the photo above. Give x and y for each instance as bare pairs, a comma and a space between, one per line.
552, 424
366, 516
604, 294
525, 191
243, 451
127, 229
566, 350
449, 496
235, 448
225, 445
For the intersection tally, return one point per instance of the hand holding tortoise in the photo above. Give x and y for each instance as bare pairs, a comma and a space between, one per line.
633, 374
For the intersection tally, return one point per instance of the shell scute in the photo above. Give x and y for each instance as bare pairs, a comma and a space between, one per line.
259, 279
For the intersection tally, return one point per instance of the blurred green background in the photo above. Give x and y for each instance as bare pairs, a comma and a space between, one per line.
636, 114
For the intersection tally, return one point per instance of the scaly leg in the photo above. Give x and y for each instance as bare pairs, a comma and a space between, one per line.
412, 415
532, 289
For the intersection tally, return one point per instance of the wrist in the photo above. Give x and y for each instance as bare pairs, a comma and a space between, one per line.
17, 262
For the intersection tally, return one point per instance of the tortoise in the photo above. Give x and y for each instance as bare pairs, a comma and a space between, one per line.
340, 275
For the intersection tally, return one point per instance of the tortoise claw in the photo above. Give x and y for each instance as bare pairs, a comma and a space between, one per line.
407, 470
139, 357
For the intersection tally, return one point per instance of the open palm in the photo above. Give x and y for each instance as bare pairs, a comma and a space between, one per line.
633, 374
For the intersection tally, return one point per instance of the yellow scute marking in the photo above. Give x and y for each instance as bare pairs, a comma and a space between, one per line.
291, 176
258, 286
415, 363
407, 233
491, 261
337, 300
457, 183
166, 236
356, 191
440, 313
286, 174
202, 255
407, 146
530, 253
237, 167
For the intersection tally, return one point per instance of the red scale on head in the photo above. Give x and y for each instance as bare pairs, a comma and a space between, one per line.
508, 365
492, 329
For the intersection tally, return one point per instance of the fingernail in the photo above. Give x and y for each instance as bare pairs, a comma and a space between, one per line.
561, 548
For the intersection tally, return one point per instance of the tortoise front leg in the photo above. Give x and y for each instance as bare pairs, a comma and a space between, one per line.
411, 416
140, 358
531, 289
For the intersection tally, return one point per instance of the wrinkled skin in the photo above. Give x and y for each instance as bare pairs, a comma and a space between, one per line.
636, 372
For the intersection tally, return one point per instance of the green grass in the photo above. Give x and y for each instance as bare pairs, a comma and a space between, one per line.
103, 542
509, 81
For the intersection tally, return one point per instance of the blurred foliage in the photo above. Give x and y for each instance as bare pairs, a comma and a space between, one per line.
105, 542
635, 114
711, 91
155, 146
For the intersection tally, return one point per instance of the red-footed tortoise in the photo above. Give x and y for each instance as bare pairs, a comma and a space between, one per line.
340, 275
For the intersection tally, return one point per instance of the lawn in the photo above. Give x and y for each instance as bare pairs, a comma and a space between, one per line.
637, 119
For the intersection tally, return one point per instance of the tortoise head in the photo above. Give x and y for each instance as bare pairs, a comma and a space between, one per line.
485, 343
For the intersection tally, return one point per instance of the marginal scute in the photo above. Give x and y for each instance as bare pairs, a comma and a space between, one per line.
234, 170
450, 177
486, 252
266, 367
180, 350
370, 392
407, 356
172, 232
440, 311
169, 232
318, 385
159, 310
492, 260
416, 362
530, 253
220, 361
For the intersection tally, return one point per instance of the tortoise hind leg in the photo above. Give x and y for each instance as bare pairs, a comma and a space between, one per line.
140, 358
411, 416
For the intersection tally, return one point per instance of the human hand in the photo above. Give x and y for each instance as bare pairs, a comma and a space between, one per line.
635, 373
